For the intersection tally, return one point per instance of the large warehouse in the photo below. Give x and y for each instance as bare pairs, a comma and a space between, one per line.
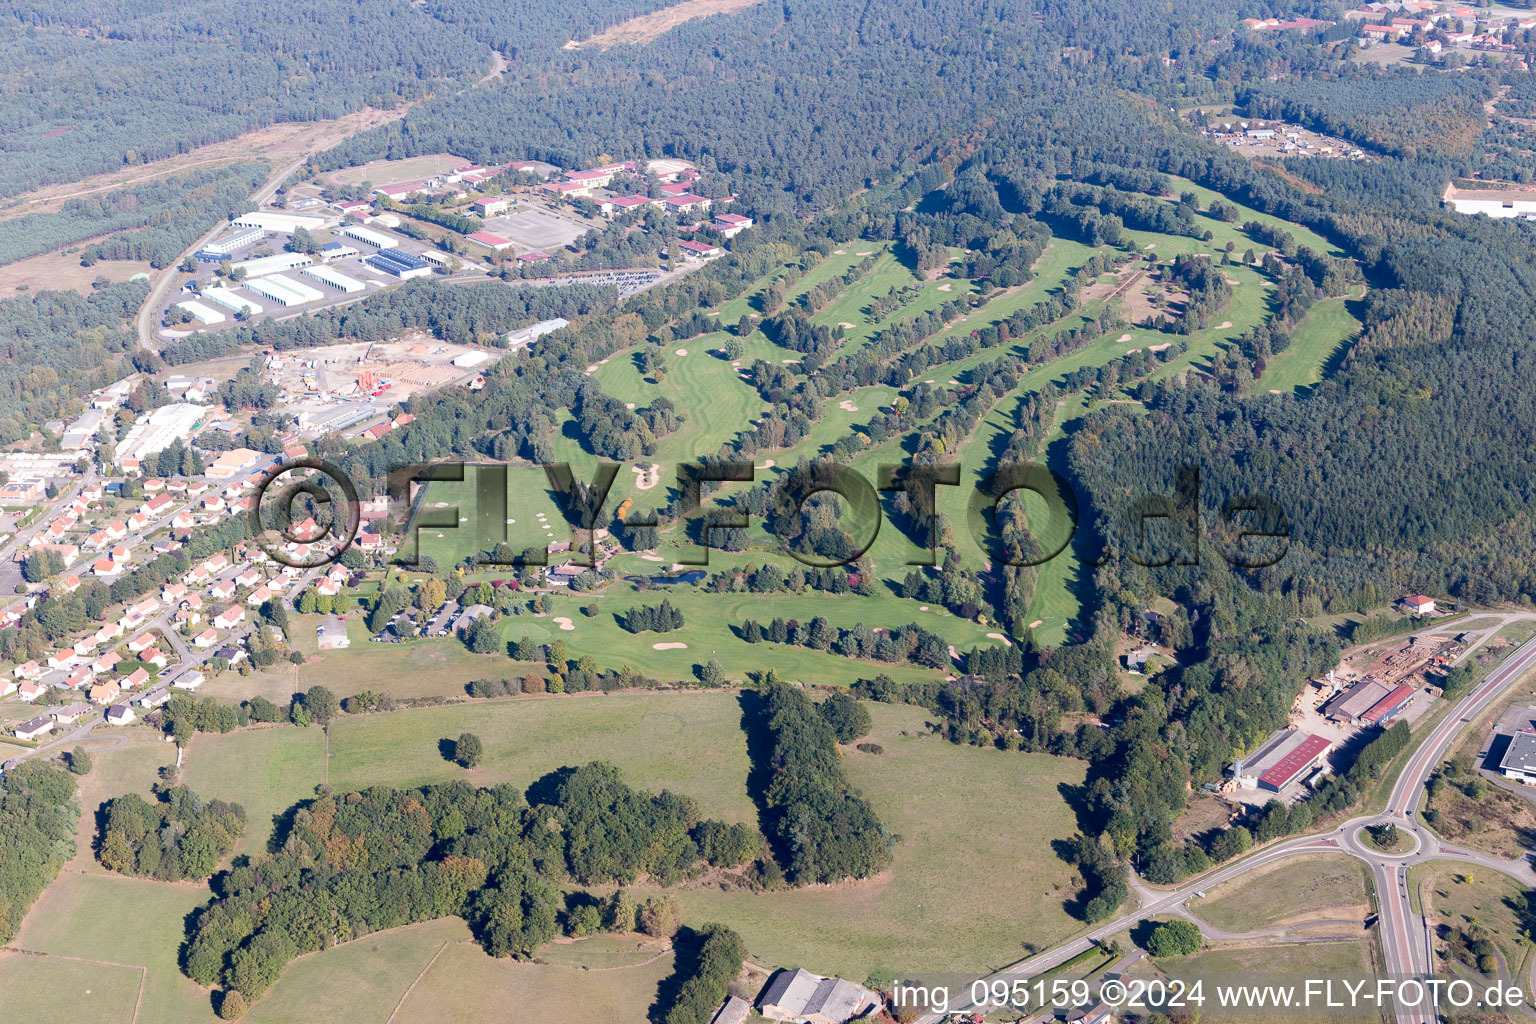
230, 301
201, 313
287, 223
373, 238
401, 264
1519, 761
1284, 758
1351, 704
335, 278
238, 240
284, 291
273, 264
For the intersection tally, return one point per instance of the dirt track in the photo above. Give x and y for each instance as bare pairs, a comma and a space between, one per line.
648, 26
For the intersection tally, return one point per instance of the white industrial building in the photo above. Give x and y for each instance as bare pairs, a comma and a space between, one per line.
336, 251
230, 301
1496, 204
373, 238
272, 264
334, 278
287, 223
284, 291
201, 313
524, 335
437, 257
238, 240
469, 359
154, 431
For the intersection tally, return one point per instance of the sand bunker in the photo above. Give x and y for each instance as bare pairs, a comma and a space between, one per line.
1224, 325
923, 608
766, 465
1160, 347
564, 623
1037, 624
847, 406
1150, 245
845, 325
629, 405
867, 252
652, 558
788, 362
648, 476
681, 352
839, 252
673, 646
999, 636
946, 287
1123, 338
735, 362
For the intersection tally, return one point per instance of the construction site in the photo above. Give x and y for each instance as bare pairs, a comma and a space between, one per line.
349, 388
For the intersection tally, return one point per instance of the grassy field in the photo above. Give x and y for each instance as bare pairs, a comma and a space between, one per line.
1485, 903
1327, 325
123, 921
48, 989
265, 770
1269, 963
464, 986
974, 878
690, 743
1322, 887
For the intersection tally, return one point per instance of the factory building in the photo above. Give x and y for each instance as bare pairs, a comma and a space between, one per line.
272, 264
337, 251
335, 278
284, 291
374, 238
399, 264
155, 430
1284, 758
1519, 760
230, 301
201, 313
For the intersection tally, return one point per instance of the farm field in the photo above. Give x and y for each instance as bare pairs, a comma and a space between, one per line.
1310, 888
265, 770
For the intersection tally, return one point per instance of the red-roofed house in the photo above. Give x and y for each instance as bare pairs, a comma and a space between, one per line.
230, 617
489, 240
699, 250
1419, 604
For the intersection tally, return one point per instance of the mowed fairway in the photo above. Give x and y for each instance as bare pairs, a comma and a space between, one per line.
1327, 325
974, 875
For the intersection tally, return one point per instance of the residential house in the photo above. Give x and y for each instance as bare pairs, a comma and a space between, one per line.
190, 681
137, 678
207, 638
31, 730
30, 691
69, 714
809, 998
230, 617
106, 692
120, 714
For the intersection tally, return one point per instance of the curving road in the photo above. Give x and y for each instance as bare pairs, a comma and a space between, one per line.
1405, 936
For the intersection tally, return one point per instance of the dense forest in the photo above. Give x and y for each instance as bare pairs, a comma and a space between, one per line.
37, 836
125, 85
57, 346
153, 221
347, 865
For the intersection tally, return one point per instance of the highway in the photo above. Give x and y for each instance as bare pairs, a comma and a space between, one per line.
1405, 936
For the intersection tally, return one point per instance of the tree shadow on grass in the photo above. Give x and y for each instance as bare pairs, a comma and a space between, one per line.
754, 726
686, 945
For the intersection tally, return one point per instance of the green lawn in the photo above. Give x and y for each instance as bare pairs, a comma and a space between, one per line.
1485, 903
266, 770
